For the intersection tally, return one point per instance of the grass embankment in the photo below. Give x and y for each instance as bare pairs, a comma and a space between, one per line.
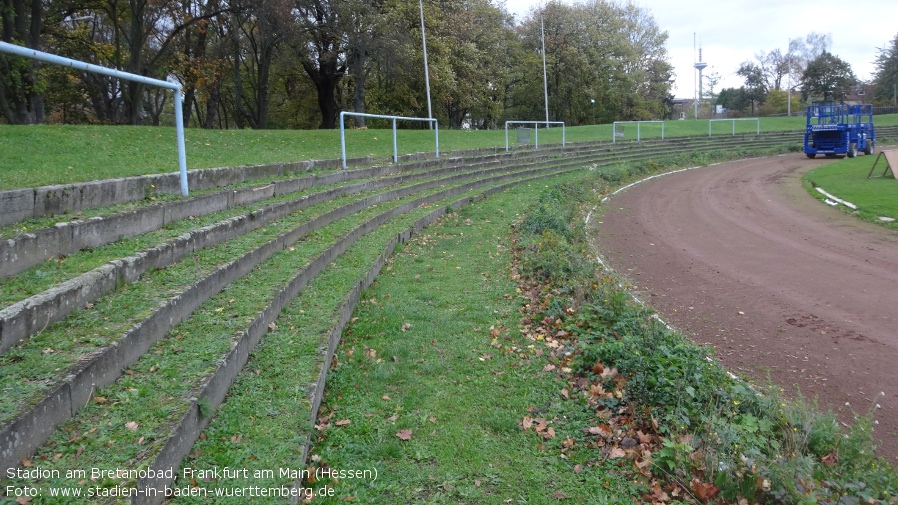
469, 376
42, 155
846, 179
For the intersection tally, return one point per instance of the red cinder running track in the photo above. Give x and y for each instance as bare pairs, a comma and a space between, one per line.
740, 257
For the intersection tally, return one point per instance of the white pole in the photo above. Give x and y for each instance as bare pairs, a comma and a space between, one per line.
426, 68
694, 81
789, 70
542, 29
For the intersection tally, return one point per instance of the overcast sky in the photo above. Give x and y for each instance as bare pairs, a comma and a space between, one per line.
731, 32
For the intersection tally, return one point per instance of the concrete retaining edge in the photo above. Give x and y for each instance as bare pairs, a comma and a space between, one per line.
27, 317
213, 392
107, 364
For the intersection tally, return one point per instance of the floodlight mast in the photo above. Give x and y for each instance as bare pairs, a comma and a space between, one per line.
426, 68
542, 31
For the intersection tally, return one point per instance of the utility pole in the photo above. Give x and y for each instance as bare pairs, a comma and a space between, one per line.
542, 30
426, 68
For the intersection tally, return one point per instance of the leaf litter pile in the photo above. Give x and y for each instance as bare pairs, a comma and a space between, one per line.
631, 400
616, 434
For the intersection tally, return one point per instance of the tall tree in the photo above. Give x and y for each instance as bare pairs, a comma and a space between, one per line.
827, 77
21, 86
755, 88
886, 76
322, 51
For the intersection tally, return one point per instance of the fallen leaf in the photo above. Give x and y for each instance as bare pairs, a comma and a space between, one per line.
527, 422
565, 394
703, 491
406, 326
99, 400
549, 433
343, 422
385, 398
272, 326
578, 468
559, 495
131, 425
393, 418
617, 452
404, 434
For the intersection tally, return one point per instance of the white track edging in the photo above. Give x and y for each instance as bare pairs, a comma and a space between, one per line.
834, 199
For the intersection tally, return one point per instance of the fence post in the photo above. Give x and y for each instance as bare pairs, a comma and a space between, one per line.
395, 146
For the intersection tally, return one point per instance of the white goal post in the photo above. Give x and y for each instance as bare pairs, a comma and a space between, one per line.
88, 67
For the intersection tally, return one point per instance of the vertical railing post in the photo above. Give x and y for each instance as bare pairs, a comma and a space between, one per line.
395, 147
343, 140
179, 132
506, 136
436, 129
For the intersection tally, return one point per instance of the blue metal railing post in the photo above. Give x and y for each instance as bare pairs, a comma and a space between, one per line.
436, 129
382, 116
395, 146
343, 139
88, 67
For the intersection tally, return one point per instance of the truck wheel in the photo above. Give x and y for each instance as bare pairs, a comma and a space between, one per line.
852, 150
870, 147
810, 155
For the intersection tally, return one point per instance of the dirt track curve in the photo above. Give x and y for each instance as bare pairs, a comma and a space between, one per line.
740, 257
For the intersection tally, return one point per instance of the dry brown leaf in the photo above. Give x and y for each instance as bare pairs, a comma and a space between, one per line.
704, 491
342, 422
617, 452
404, 435
527, 422
406, 326
131, 425
602, 430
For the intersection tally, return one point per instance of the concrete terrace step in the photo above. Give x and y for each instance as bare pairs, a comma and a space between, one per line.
59, 407
105, 364
27, 316
260, 324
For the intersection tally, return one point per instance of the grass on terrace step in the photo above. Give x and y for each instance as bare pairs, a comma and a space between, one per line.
421, 361
149, 395
41, 155
35, 364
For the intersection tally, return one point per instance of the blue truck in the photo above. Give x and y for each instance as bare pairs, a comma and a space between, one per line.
839, 129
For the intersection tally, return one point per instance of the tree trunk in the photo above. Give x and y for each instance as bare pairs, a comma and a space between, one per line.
21, 101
